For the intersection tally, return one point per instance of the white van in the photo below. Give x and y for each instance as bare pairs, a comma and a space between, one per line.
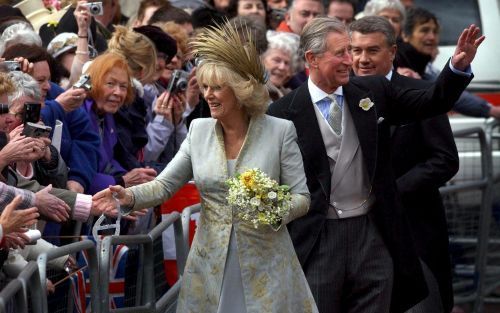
454, 16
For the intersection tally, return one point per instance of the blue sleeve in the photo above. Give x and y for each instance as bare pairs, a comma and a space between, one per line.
79, 143
55, 90
472, 105
84, 148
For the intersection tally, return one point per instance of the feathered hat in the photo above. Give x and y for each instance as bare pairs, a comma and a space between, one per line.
232, 46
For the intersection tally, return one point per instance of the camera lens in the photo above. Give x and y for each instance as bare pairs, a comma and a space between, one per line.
182, 84
94, 9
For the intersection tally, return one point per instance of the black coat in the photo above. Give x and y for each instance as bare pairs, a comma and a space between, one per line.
424, 158
393, 106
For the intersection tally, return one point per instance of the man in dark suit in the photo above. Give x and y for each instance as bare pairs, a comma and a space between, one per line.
354, 244
424, 157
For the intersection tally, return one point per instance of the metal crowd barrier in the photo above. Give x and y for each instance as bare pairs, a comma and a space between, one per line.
186, 218
84, 245
145, 300
469, 224
492, 283
22, 291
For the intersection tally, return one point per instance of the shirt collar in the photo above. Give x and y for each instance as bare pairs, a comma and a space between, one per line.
317, 94
389, 75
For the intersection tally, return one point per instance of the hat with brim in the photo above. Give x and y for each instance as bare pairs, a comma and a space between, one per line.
162, 41
62, 43
37, 14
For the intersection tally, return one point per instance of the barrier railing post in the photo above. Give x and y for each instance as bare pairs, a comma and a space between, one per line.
147, 303
484, 184
85, 245
186, 217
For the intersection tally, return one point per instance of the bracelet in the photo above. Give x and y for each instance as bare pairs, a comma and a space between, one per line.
79, 36
82, 52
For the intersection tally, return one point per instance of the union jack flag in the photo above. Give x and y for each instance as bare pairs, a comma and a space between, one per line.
80, 283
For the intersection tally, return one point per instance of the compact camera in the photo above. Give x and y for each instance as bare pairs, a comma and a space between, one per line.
95, 8
35, 130
31, 112
83, 82
9, 66
178, 82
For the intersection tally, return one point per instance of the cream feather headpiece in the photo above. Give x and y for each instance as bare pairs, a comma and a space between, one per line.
223, 44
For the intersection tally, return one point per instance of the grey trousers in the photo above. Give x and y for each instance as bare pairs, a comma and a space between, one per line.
350, 269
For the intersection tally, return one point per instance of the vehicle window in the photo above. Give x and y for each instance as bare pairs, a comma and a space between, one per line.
453, 16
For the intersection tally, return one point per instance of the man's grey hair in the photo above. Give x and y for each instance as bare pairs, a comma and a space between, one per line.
19, 33
313, 37
26, 86
374, 24
374, 7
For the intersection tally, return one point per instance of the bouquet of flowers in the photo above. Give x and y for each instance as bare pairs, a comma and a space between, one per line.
258, 198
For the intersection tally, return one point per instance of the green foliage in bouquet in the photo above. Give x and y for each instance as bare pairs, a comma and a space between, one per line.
259, 199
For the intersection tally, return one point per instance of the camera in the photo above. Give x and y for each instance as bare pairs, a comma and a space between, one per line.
178, 82
31, 112
4, 108
9, 66
277, 15
35, 130
83, 82
95, 8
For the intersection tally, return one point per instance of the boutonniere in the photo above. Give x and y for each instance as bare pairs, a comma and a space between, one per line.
366, 104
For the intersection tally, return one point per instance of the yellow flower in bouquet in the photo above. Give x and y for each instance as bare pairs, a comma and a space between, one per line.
259, 199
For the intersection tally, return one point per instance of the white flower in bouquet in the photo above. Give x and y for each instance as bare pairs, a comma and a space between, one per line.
259, 199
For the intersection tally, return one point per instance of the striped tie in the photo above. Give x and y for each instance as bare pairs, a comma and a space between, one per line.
335, 115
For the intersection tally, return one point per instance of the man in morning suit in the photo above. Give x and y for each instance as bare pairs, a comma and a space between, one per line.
424, 157
354, 244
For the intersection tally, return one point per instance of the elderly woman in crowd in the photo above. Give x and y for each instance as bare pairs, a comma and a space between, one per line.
79, 143
280, 61
47, 167
392, 10
232, 266
111, 89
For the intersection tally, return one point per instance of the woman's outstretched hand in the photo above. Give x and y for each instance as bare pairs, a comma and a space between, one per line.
106, 200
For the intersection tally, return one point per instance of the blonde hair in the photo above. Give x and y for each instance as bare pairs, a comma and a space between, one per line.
7, 86
137, 49
252, 96
178, 33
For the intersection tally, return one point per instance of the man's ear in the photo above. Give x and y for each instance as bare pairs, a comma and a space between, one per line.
287, 17
393, 50
311, 59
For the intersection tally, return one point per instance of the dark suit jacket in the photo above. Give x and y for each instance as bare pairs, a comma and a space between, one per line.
392, 106
424, 158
